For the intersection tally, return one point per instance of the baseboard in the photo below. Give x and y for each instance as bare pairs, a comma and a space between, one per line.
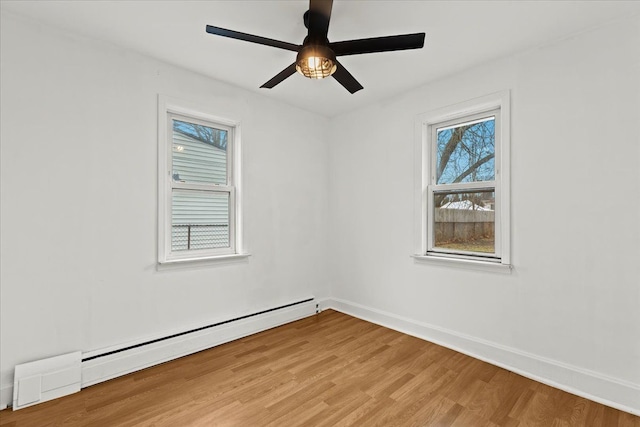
106, 364
6, 396
115, 364
324, 303
600, 388
581, 382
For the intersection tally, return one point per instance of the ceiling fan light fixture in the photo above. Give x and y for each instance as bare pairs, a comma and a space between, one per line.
316, 62
317, 56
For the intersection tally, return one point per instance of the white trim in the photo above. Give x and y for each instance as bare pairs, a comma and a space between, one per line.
203, 188
238, 209
613, 392
6, 396
503, 170
215, 258
469, 264
324, 303
466, 108
423, 168
127, 361
187, 108
484, 117
467, 187
591, 385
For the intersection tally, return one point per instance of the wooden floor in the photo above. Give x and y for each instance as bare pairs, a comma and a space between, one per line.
326, 370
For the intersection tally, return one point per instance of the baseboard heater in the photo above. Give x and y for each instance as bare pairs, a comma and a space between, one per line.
106, 364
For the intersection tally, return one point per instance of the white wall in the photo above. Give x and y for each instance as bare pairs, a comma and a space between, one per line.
78, 204
574, 294
79, 195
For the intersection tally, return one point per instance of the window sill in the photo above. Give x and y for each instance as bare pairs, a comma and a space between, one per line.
464, 263
184, 262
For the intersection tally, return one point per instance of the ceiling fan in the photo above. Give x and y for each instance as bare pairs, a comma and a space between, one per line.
316, 57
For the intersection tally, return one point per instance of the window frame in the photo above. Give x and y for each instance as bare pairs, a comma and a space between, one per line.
168, 111
426, 126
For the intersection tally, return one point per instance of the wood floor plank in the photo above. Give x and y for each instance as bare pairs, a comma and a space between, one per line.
326, 370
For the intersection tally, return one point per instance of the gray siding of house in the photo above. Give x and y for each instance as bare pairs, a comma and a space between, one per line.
198, 161
199, 220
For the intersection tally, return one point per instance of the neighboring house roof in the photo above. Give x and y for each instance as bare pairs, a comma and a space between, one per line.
464, 204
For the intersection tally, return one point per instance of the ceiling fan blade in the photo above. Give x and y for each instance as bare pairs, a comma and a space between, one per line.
346, 79
378, 44
251, 38
287, 72
319, 17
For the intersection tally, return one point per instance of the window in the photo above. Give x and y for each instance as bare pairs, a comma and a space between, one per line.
198, 185
463, 185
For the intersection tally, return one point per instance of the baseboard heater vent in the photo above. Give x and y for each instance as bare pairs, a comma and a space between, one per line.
99, 366
46, 379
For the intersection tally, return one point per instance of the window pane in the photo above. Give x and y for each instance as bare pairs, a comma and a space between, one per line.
199, 153
465, 221
465, 152
199, 220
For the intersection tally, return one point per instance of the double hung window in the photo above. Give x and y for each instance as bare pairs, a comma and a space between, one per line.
463, 184
198, 188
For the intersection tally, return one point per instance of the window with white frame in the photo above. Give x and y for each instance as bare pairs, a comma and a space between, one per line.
198, 188
464, 188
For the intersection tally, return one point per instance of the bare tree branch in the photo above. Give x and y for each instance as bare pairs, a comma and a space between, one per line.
474, 167
215, 137
454, 140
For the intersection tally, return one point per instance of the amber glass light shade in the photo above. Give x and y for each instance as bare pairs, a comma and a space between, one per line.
316, 62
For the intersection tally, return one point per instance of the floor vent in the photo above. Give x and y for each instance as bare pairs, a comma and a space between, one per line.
46, 379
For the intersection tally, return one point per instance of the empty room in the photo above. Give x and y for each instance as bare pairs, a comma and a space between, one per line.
319, 213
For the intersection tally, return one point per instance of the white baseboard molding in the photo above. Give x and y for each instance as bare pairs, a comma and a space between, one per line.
124, 362
581, 382
600, 388
6, 396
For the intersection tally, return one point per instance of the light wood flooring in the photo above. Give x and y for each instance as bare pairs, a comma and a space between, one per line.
327, 370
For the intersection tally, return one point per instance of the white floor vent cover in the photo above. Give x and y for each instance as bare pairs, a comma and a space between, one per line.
46, 379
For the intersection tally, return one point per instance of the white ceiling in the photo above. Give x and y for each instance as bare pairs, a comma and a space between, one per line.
460, 34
